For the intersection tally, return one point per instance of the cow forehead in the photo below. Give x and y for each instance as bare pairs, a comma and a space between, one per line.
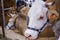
37, 11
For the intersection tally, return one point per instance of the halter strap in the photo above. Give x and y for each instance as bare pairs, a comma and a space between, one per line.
38, 30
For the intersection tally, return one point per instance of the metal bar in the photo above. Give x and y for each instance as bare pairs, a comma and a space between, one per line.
3, 19
6, 9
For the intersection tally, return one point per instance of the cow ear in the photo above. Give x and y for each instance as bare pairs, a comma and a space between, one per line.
40, 18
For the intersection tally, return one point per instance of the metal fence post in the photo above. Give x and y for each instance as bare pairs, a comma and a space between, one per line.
3, 19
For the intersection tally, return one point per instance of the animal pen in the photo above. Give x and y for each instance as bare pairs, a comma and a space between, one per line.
47, 34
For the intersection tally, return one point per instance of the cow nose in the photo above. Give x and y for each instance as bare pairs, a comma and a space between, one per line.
29, 36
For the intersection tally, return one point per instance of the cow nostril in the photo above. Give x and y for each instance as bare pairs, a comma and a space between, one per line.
28, 36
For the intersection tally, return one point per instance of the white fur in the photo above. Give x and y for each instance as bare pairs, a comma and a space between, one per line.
38, 9
11, 21
29, 2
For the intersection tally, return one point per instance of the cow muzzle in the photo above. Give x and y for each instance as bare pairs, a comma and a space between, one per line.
31, 34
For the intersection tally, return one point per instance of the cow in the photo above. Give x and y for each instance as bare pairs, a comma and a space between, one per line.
12, 16
37, 19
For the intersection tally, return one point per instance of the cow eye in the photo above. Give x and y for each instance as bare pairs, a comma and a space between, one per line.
41, 17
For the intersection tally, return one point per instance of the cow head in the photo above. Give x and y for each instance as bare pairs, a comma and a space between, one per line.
37, 18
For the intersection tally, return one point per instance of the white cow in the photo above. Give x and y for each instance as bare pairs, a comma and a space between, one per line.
37, 18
